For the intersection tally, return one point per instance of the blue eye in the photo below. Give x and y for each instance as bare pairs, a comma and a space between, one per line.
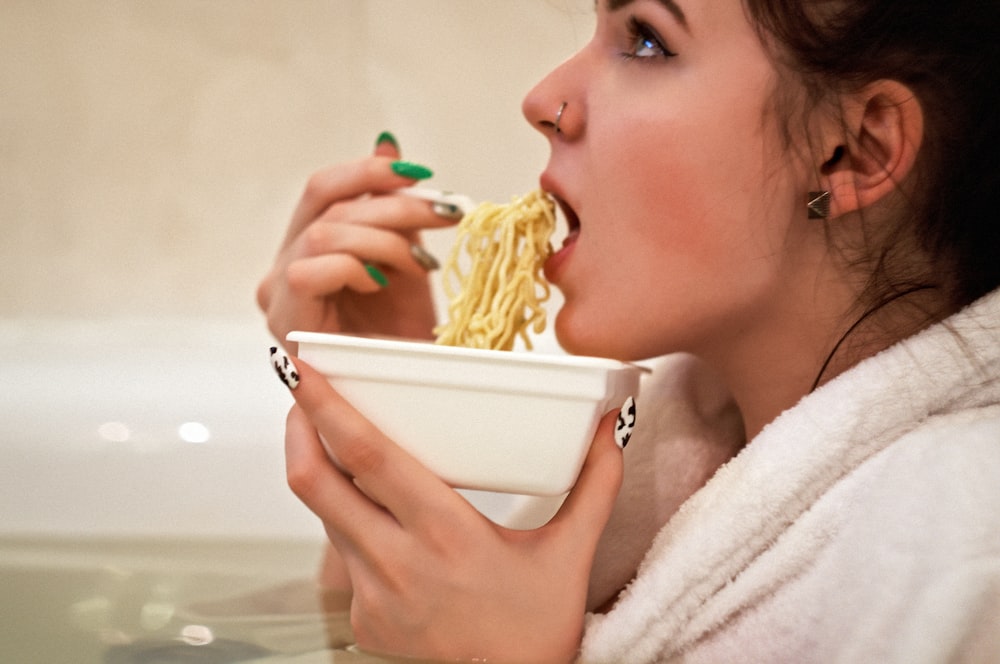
644, 42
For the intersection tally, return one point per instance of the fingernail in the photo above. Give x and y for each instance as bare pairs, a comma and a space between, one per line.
410, 170
387, 137
377, 275
626, 422
447, 210
282, 364
422, 256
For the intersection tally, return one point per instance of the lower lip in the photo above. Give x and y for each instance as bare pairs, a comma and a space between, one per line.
554, 264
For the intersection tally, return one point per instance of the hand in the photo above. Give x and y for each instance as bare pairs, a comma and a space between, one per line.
319, 281
432, 577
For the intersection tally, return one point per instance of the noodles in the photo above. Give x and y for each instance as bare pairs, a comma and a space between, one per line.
503, 291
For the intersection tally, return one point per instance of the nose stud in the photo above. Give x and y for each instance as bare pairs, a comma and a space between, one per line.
559, 114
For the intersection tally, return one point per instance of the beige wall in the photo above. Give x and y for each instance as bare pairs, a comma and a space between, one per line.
151, 150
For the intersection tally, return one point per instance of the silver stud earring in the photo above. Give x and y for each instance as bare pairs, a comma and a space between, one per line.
819, 204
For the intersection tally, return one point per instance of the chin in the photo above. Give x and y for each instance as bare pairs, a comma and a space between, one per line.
602, 336
596, 339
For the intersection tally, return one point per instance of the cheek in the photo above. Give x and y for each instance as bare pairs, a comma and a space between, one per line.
673, 205
674, 252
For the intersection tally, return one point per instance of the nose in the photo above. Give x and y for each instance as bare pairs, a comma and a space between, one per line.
555, 106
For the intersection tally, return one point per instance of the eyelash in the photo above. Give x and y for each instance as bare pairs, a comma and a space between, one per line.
639, 30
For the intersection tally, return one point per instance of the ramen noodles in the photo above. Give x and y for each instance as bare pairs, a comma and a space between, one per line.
493, 277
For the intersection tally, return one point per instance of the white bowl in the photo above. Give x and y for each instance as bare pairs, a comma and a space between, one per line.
513, 422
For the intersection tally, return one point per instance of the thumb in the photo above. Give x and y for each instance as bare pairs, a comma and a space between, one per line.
386, 145
588, 507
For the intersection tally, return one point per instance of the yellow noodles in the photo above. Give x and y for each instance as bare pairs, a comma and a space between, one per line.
501, 295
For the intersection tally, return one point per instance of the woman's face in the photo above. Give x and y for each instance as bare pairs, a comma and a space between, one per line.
668, 164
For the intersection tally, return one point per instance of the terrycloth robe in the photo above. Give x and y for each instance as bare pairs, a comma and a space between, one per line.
861, 525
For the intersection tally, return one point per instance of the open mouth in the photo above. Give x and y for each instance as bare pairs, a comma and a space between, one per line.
572, 220
553, 266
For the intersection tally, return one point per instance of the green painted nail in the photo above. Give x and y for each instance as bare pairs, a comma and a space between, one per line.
410, 170
377, 275
387, 137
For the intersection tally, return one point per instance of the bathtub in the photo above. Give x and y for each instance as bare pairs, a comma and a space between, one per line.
144, 514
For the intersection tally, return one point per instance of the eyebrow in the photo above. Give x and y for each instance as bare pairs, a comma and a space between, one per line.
669, 5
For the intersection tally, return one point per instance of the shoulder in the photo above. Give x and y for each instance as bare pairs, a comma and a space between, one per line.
911, 571
951, 452
936, 481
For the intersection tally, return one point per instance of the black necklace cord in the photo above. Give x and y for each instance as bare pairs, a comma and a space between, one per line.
866, 314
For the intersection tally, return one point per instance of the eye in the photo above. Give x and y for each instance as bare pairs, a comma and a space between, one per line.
644, 42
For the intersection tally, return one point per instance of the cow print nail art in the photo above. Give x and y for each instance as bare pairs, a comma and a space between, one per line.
626, 422
287, 372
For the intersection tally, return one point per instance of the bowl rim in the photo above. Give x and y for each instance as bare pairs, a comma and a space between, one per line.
429, 348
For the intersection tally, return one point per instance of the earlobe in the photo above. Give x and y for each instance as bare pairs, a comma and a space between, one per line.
884, 131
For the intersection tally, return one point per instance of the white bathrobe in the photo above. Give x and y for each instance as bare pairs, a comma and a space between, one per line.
862, 525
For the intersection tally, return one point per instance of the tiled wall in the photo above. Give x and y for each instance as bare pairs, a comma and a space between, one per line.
152, 150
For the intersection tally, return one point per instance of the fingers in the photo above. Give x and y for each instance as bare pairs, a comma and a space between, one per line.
386, 145
355, 181
364, 245
343, 212
385, 210
588, 507
344, 182
382, 470
319, 484
320, 275
333, 573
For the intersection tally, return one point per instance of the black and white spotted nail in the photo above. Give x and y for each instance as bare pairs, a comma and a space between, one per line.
282, 364
625, 424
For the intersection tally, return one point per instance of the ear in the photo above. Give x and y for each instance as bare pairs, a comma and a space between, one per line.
884, 127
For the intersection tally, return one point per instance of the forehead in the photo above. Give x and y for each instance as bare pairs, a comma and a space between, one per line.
614, 5
669, 5
707, 13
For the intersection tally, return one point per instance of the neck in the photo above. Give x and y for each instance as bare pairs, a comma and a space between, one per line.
770, 368
767, 380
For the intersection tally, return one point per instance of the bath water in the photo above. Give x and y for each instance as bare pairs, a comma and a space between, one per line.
81, 601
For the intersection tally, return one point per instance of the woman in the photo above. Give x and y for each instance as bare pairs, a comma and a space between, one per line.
799, 194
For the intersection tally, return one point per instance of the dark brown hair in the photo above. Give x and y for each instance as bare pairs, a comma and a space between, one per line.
948, 53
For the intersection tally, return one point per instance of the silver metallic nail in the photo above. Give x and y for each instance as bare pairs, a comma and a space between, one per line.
625, 424
422, 256
283, 365
447, 210
444, 203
